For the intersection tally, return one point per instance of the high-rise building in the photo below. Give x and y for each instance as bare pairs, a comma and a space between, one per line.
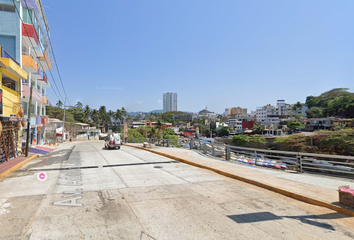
169, 102
26, 39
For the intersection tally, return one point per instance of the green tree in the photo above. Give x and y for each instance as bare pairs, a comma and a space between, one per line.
257, 141
224, 131
59, 104
206, 132
79, 105
240, 140
293, 125
258, 128
338, 102
173, 139
102, 114
95, 116
169, 131
110, 115
315, 112
87, 111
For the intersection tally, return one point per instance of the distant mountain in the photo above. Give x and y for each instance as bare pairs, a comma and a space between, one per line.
153, 111
156, 111
134, 113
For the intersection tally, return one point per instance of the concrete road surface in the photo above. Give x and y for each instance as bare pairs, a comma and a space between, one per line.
93, 193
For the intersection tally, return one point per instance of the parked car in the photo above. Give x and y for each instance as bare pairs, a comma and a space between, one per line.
112, 141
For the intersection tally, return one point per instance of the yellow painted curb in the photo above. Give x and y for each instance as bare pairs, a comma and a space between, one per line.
14, 168
262, 185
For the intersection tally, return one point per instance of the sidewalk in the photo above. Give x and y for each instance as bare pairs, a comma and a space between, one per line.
16, 163
315, 189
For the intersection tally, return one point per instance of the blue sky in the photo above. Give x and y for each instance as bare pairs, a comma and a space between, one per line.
211, 53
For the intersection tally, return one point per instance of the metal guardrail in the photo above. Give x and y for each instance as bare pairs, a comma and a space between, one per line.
298, 161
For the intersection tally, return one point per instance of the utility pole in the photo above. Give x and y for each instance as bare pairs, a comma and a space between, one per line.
64, 121
29, 118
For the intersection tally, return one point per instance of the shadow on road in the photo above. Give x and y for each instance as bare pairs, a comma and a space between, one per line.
307, 219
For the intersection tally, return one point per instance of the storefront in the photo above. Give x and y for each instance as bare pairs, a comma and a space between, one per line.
10, 139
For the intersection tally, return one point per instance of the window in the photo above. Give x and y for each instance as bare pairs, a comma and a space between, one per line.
25, 107
38, 110
32, 109
7, 8
43, 111
27, 15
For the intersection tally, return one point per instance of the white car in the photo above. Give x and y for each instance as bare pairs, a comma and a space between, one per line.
112, 141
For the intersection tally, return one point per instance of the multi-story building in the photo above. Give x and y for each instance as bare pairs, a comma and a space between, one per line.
27, 40
235, 111
227, 112
238, 110
11, 114
170, 102
268, 115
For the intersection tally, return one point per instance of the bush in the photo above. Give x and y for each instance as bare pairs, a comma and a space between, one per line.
240, 140
133, 133
257, 141
173, 139
296, 143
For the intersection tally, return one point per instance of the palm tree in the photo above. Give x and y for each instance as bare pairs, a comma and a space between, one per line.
124, 112
129, 118
117, 116
159, 126
79, 104
59, 104
110, 115
95, 115
87, 110
102, 113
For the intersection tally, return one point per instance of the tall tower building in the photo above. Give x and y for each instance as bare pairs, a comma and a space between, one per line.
169, 102
24, 36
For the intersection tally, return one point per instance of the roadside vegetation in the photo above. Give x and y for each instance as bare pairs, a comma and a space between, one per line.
339, 142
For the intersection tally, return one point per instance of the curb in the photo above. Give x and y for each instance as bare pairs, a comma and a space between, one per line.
14, 168
262, 185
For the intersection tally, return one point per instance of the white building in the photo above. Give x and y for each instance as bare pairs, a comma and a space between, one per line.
169, 102
269, 114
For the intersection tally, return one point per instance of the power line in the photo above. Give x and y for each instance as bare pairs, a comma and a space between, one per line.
55, 60
60, 98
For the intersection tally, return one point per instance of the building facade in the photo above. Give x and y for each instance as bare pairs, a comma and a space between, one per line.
27, 40
237, 110
170, 102
270, 115
11, 114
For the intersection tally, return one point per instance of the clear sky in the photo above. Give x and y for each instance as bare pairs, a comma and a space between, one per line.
219, 54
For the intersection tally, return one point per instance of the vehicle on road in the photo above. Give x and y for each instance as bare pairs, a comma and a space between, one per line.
112, 141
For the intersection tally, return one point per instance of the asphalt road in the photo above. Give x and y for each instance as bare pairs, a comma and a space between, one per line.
93, 193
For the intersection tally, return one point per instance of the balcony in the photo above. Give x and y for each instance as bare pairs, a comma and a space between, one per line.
44, 78
11, 66
45, 62
38, 75
26, 90
29, 35
29, 64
